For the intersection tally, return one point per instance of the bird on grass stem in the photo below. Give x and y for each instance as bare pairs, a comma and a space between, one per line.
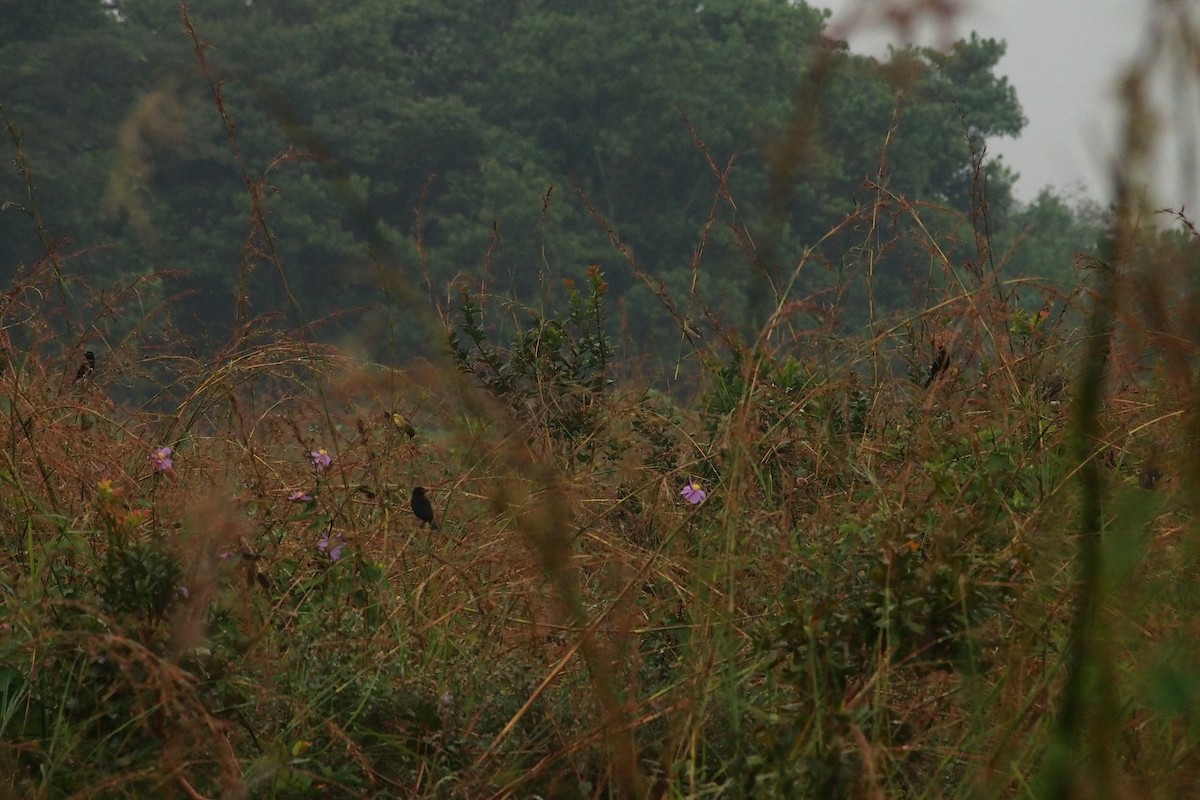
1051, 388
88, 365
422, 508
402, 424
941, 361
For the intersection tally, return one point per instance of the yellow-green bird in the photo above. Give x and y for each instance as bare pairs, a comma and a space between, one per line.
403, 425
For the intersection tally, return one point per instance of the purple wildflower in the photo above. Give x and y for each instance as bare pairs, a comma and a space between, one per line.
331, 546
299, 496
162, 459
693, 493
320, 459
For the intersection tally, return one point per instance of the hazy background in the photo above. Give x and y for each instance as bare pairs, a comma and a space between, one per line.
1063, 58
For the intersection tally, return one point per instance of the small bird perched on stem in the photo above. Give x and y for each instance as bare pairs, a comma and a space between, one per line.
422, 508
402, 424
1051, 388
89, 364
941, 361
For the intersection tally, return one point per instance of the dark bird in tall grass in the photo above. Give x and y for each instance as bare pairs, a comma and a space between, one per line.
1149, 476
1051, 389
87, 367
422, 507
941, 361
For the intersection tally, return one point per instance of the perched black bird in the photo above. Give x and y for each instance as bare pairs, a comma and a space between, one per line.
422, 507
1150, 475
1051, 388
940, 362
89, 364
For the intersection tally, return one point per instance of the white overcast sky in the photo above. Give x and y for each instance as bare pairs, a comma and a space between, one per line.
1063, 58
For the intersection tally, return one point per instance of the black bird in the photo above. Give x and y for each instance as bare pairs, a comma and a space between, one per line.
422, 507
940, 362
1051, 388
89, 364
1150, 475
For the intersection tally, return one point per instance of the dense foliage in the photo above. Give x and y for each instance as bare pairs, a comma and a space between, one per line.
394, 146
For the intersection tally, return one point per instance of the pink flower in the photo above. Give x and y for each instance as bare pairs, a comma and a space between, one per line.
320, 459
299, 496
162, 459
693, 493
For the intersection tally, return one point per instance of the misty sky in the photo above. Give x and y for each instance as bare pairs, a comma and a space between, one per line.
1063, 58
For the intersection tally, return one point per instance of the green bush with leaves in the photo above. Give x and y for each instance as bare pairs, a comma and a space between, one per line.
556, 368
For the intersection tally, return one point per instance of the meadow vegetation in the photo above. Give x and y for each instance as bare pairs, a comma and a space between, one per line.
950, 553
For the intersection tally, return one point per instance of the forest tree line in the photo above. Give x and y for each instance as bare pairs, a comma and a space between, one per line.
406, 145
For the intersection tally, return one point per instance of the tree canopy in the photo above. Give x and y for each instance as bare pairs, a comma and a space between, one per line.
401, 144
